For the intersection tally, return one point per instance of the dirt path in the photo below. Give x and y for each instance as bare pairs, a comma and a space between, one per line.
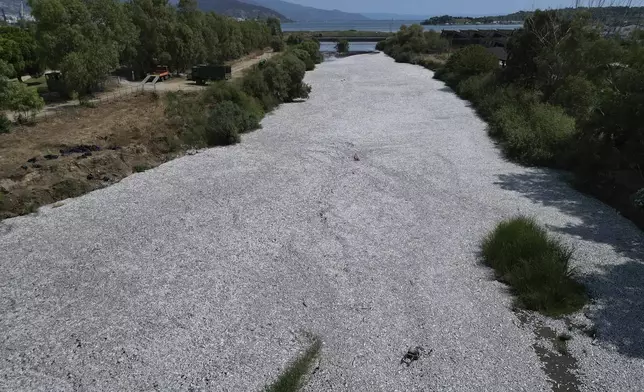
355, 215
126, 88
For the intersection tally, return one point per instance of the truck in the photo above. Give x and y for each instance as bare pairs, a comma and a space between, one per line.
162, 72
205, 72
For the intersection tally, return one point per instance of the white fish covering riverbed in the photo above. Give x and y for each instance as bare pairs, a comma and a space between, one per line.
356, 216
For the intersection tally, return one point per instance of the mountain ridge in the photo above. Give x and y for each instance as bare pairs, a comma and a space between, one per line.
232, 8
240, 9
303, 13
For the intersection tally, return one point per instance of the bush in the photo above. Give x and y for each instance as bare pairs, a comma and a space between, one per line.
295, 39
305, 57
578, 96
471, 60
223, 125
277, 44
539, 135
476, 87
404, 57
535, 266
342, 46
223, 91
188, 113
24, 101
220, 113
294, 68
5, 124
638, 198
255, 85
430, 63
313, 49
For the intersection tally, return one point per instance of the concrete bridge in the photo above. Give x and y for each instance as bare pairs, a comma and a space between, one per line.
375, 38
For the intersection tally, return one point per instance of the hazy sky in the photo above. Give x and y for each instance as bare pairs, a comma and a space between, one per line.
434, 7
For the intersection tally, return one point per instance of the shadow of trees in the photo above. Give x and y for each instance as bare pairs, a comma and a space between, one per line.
619, 287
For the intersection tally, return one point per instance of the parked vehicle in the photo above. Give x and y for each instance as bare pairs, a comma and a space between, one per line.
162, 72
56, 83
206, 72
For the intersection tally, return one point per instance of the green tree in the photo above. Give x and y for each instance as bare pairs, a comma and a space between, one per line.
342, 46
155, 21
81, 36
471, 60
275, 25
22, 53
24, 101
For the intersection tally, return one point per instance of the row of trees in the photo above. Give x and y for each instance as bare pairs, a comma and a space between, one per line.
87, 39
410, 43
570, 97
611, 14
219, 114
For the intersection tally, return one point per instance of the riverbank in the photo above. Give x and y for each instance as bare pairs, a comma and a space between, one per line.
355, 216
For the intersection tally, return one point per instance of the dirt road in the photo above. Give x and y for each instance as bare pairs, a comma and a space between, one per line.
355, 215
126, 88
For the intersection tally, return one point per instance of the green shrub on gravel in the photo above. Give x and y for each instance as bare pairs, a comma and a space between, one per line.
313, 49
471, 60
477, 87
277, 44
254, 84
224, 124
5, 123
535, 266
305, 57
218, 114
224, 91
537, 134
293, 377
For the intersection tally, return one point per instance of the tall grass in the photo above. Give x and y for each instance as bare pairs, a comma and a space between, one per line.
293, 377
535, 266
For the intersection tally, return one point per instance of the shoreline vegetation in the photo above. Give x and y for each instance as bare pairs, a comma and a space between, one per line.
610, 16
340, 33
569, 101
43, 161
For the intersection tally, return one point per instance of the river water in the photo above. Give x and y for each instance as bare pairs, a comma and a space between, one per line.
380, 25
375, 25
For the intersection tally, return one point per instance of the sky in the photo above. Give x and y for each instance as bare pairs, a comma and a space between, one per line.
435, 7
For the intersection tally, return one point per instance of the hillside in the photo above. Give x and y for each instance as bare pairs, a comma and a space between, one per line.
303, 13
234, 8
611, 16
239, 9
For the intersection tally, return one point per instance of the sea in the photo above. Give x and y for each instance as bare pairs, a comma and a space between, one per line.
380, 25
376, 25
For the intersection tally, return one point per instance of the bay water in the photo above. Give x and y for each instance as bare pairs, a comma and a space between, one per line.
375, 25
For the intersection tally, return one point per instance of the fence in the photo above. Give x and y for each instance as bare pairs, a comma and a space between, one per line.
120, 91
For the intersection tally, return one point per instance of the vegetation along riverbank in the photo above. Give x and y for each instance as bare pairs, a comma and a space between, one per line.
569, 101
88, 147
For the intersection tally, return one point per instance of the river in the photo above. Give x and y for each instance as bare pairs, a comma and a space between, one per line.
380, 25
375, 25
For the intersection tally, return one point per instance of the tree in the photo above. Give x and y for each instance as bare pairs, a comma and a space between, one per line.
5, 71
471, 60
275, 25
155, 21
342, 46
10, 53
83, 37
24, 101
19, 47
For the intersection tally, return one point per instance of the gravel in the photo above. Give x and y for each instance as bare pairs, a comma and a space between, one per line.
208, 272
